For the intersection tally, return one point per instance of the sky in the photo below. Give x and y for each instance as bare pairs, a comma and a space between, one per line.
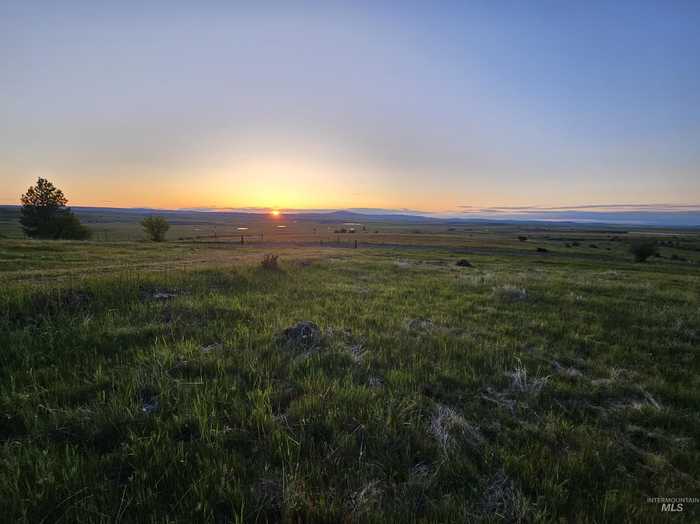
441, 107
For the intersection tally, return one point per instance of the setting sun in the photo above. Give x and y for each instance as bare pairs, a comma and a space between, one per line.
275, 213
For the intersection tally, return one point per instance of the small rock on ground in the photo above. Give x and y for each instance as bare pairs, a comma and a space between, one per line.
420, 324
304, 335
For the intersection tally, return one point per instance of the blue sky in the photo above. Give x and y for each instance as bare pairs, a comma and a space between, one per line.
440, 107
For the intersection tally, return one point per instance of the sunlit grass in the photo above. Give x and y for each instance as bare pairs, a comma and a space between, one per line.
519, 388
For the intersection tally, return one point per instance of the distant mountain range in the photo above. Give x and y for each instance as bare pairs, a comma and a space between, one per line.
641, 217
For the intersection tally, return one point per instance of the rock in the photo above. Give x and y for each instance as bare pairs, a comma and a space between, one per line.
302, 335
464, 263
571, 373
212, 347
375, 382
161, 295
421, 324
148, 396
357, 352
564, 371
151, 407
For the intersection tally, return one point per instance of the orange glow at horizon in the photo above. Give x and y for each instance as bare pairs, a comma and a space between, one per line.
269, 178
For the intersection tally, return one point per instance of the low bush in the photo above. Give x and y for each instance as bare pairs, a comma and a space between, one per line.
642, 250
155, 228
270, 262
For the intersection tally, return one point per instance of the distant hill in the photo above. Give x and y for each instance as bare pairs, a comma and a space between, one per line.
588, 219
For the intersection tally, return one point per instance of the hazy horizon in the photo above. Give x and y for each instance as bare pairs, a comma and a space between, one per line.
630, 215
451, 111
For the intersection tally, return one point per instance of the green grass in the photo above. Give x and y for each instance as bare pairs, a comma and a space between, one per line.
436, 394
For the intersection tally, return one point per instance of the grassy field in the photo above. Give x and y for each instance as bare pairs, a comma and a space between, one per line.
174, 382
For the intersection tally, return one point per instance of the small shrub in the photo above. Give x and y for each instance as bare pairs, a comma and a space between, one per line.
155, 228
522, 238
270, 262
642, 250
542, 250
464, 263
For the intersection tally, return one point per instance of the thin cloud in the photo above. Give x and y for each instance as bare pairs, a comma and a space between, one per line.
584, 207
